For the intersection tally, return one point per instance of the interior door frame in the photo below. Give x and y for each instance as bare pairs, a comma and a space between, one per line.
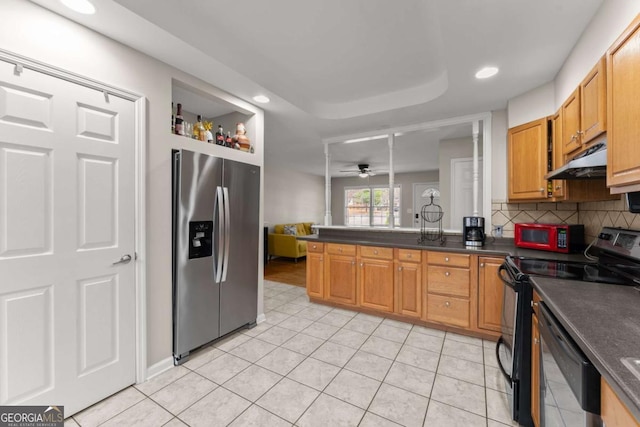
456, 161
140, 154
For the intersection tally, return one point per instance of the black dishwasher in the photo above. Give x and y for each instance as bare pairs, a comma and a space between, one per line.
569, 383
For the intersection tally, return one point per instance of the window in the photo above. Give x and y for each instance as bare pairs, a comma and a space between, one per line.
362, 210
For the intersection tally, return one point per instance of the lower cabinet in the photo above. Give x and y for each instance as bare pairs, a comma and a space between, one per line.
408, 283
614, 413
448, 285
490, 293
315, 270
376, 278
341, 284
418, 285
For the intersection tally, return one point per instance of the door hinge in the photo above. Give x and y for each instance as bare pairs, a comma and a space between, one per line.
17, 70
135, 256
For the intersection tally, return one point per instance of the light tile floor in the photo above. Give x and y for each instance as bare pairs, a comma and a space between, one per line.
313, 365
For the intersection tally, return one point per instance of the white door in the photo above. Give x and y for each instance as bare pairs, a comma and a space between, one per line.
419, 201
67, 313
462, 190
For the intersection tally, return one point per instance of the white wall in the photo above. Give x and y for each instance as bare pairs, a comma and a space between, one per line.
36, 33
405, 180
532, 105
291, 196
499, 155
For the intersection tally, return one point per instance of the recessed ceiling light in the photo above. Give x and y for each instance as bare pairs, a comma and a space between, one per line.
81, 6
261, 99
486, 72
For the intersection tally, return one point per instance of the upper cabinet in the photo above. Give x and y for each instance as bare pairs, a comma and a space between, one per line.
583, 114
527, 156
623, 109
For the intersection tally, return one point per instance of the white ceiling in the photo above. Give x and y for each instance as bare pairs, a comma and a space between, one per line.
335, 67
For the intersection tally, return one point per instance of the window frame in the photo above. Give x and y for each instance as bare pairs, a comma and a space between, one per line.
397, 194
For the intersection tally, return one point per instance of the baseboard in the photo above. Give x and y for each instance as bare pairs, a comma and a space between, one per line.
160, 367
261, 318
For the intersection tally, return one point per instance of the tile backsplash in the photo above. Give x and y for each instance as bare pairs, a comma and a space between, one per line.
594, 215
507, 214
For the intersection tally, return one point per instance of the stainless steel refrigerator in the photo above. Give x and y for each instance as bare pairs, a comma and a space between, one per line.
215, 248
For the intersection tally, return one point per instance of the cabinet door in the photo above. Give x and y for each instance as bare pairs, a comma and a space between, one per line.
593, 103
376, 284
341, 283
623, 104
614, 412
558, 154
408, 286
315, 275
571, 123
490, 294
528, 161
535, 371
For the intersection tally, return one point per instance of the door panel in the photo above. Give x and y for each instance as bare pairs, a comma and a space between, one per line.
67, 313
239, 292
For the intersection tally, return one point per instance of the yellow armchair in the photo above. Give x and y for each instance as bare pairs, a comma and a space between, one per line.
287, 245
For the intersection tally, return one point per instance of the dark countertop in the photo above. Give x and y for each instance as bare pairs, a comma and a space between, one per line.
453, 243
604, 320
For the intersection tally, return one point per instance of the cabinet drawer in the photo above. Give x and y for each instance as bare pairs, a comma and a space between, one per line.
449, 310
444, 258
448, 280
409, 255
340, 249
376, 252
315, 247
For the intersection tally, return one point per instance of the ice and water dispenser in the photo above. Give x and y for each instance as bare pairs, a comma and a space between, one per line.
200, 239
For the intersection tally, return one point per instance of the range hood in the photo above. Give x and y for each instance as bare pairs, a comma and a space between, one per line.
591, 163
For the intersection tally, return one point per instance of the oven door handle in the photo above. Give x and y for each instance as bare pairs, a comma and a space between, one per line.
504, 372
501, 275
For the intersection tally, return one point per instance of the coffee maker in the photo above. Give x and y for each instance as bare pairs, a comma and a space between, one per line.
473, 230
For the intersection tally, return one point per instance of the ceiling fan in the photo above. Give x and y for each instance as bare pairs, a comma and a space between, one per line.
363, 171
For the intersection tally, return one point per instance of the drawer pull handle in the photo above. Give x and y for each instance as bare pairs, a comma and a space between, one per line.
399, 268
362, 264
446, 259
536, 341
447, 303
339, 249
446, 273
408, 255
482, 264
353, 263
315, 247
320, 259
375, 252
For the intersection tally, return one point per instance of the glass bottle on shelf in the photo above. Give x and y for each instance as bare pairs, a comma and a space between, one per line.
179, 125
199, 130
220, 136
228, 141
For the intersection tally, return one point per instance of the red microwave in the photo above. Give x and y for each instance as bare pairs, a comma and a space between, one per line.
563, 238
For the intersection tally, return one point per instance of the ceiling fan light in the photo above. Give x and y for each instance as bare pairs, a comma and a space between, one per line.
363, 174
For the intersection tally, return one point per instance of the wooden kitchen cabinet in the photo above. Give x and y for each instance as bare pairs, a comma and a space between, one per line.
408, 283
490, 294
583, 114
557, 159
527, 161
570, 116
614, 413
448, 289
341, 284
623, 104
375, 278
315, 270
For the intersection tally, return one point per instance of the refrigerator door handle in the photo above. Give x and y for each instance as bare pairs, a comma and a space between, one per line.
227, 231
219, 213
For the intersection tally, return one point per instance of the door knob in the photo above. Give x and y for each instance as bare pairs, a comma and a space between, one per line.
124, 260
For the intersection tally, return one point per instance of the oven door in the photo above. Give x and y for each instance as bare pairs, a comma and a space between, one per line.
512, 352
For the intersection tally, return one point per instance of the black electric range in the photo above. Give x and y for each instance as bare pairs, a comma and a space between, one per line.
617, 261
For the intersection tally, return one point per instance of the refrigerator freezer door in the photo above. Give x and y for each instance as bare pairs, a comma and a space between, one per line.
239, 290
196, 296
